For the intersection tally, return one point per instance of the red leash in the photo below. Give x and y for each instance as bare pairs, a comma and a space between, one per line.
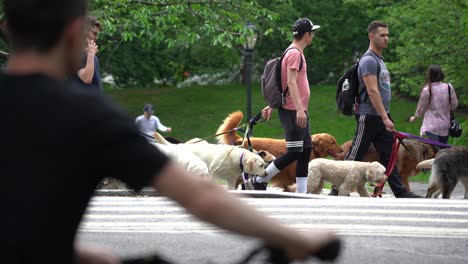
391, 163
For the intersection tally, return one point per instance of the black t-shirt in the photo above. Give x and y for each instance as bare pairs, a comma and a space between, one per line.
58, 142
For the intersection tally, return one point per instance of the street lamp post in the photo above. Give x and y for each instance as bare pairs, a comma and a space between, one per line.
250, 41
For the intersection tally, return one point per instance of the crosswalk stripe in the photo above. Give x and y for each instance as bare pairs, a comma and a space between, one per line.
349, 201
353, 216
197, 227
299, 210
297, 217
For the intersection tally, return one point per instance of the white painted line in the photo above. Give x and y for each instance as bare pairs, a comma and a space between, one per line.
349, 201
379, 219
281, 209
196, 227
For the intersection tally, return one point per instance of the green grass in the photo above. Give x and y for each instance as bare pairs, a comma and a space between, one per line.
198, 111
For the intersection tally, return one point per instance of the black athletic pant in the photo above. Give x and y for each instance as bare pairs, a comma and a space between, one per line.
371, 129
298, 143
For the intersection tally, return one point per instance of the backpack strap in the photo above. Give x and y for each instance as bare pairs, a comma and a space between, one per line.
450, 95
378, 73
281, 61
286, 51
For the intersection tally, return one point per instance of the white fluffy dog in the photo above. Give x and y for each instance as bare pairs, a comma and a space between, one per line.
191, 162
223, 161
348, 175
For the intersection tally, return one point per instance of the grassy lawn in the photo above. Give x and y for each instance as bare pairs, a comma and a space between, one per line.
198, 111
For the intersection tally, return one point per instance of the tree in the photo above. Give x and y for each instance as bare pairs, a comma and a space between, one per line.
425, 32
166, 31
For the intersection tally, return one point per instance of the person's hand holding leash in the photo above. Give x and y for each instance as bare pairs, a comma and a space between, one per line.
388, 124
266, 112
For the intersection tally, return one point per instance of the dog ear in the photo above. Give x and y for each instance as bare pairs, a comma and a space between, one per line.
317, 143
262, 153
370, 172
250, 163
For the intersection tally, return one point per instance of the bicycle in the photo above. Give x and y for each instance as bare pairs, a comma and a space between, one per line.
328, 252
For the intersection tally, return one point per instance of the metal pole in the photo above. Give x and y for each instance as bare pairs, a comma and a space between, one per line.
248, 68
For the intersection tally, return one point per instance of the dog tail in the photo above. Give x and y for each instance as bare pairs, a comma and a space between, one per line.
160, 139
232, 121
426, 164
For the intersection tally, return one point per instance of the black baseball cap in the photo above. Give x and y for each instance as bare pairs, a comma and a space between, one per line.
148, 108
303, 25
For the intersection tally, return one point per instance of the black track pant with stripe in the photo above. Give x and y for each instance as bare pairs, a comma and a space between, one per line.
371, 129
298, 143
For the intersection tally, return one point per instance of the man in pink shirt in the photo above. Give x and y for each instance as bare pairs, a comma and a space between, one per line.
293, 113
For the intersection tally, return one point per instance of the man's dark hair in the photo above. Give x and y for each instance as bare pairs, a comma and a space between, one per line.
374, 25
299, 35
94, 22
39, 24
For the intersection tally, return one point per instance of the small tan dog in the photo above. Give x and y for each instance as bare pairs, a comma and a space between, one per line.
349, 175
406, 161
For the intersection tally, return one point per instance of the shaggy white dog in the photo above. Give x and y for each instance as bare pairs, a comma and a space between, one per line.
348, 175
223, 161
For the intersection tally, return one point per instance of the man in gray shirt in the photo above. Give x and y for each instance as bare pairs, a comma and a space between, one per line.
374, 123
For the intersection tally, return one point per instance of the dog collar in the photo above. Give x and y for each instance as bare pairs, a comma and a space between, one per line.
240, 162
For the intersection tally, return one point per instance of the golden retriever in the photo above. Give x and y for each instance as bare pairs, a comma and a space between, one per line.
406, 162
223, 161
323, 145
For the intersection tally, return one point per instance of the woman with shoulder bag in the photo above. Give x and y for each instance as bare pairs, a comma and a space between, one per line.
436, 102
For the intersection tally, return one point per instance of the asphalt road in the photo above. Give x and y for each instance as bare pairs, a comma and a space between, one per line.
375, 230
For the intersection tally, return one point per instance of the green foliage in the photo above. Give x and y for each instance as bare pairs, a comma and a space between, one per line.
179, 23
424, 32
166, 32
431, 32
332, 51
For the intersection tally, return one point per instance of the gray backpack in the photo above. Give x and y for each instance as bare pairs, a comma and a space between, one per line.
271, 82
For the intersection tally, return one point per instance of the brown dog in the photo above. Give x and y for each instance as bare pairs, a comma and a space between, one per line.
323, 145
406, 161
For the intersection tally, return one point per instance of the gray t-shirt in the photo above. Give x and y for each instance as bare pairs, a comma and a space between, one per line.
368, 66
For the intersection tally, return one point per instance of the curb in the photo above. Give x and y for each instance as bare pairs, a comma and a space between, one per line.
252, 194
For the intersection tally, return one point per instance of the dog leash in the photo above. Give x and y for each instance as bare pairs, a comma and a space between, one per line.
227, 155
398, 138
203, 139
253, 121
423, 140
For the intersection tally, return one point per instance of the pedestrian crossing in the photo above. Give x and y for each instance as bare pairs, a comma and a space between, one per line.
346, 215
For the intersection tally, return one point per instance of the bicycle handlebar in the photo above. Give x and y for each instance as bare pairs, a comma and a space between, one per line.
328, 252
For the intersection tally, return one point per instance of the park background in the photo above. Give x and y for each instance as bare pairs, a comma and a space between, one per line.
186, 57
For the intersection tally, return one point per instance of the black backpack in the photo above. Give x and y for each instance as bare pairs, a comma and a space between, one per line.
348, 94
271, 82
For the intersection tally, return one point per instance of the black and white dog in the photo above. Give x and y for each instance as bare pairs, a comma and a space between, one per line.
448, 167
